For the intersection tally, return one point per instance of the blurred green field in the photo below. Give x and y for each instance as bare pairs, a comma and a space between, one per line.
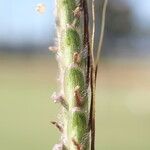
122, 110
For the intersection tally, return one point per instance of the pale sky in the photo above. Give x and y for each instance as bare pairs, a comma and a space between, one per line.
141, 10
20, 22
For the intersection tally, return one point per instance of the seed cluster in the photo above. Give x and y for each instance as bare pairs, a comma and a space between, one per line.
72, 65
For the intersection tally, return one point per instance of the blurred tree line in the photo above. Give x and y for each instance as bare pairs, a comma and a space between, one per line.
119, 19
119, 28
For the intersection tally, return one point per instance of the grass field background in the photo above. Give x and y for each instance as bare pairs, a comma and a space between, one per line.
122, 105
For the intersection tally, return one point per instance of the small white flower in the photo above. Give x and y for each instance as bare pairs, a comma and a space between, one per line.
40, 8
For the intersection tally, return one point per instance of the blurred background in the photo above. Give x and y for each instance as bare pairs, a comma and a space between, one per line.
28, 74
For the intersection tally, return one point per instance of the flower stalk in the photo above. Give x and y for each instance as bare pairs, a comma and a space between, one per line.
77, 75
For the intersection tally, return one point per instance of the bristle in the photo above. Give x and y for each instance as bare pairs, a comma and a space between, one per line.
57, 98
76, 144
76, 58
53, 49
77, 12
59, 127
59, 146
78, 96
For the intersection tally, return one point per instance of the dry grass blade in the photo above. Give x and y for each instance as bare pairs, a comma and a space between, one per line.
93, 27
101, 36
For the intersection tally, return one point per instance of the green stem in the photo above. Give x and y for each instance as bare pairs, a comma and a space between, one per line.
73, 73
